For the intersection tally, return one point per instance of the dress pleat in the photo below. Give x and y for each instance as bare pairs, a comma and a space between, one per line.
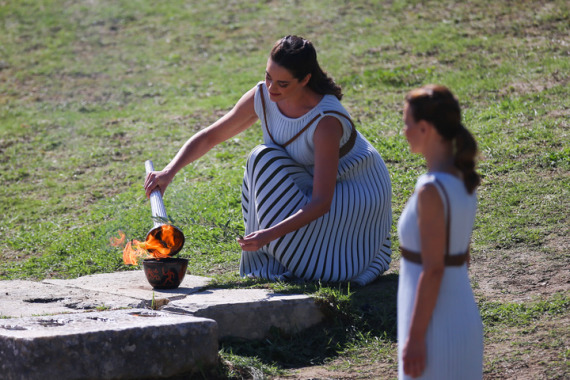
454, 339
349, 243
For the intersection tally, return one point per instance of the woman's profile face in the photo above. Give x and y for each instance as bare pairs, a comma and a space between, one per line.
281, 84
412, 130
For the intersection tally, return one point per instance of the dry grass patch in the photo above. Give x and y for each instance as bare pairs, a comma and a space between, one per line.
534, 352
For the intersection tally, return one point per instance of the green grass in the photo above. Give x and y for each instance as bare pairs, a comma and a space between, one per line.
88, 92
354, 319
522, 314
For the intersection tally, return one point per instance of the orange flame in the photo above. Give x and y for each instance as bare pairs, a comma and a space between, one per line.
162, 241
115, 242
159, 244
133, 251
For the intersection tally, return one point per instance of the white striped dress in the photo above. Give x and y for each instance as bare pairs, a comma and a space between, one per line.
349, 243
454, 339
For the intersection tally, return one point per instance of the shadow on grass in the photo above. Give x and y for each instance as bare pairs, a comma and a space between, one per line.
352, 315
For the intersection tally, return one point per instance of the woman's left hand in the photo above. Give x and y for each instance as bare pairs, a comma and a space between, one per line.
255, 240
414, 357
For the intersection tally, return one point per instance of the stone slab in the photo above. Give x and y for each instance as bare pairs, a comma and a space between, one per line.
120, 344
179, 338
28, 298
132, 284
127, 289
250, 313
242, 313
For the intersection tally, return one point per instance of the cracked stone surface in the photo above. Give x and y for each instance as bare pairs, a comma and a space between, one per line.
92, 326
120, 344
28, 298
96, 292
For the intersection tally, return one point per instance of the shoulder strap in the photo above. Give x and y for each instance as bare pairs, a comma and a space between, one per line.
351, 140
448, 221
450, 260
301, 131
343, 150
260, 89
346, 147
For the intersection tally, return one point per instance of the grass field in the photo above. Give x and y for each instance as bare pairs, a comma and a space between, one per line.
90, 89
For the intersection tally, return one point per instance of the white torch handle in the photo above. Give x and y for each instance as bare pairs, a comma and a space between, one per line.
156, 203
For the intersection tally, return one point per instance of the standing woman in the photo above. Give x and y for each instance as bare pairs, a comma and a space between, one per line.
440, 333
316, 196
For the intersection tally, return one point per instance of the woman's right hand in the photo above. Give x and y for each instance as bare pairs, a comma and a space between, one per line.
414, 357
157, 179
241, 117
255, 240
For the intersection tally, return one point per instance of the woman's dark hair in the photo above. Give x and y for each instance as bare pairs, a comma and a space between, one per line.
438, 106
299, 56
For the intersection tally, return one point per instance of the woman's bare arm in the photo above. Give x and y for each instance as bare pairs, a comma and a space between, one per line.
431, 222
241, 117
327, 142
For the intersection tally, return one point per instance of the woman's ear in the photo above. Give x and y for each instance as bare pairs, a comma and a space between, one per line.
424, 126
306, 79
428, 130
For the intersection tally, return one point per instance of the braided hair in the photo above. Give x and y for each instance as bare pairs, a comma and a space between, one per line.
299, 56
438, 106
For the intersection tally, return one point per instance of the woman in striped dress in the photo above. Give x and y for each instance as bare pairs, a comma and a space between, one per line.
440, 334
316, 196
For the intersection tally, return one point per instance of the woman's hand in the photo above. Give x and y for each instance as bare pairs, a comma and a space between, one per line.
431, 221
255, 240
241, 117
157, 179
327, 141
414, 357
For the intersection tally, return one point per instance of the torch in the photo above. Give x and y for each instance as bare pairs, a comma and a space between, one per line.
168, 239
163, 241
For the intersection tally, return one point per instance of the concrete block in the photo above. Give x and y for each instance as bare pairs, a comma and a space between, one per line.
250, 313
121, 344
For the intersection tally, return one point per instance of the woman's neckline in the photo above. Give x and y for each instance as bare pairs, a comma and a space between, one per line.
446, 173
299, 117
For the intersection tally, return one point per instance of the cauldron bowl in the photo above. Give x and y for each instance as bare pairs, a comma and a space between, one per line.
179, 239
165, 273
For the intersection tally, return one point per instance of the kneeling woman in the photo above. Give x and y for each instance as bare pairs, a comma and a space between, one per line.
316, 196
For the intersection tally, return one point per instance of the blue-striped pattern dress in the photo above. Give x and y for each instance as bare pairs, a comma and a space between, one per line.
349, 243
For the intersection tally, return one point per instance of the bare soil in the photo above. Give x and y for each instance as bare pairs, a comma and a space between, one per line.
514, 275
517, 275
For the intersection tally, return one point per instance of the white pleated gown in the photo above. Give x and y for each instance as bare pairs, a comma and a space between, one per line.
455, 333
349, 243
